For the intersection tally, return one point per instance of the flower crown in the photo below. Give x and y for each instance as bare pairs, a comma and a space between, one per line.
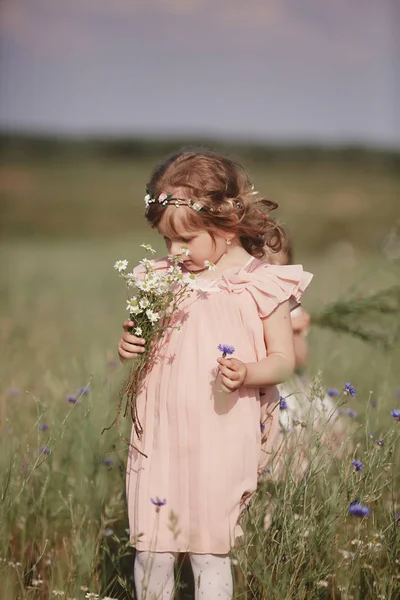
165, 199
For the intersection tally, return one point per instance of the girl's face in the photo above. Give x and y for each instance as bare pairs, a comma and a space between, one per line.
194, 246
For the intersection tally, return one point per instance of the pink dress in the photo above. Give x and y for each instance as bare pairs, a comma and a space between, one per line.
203, 445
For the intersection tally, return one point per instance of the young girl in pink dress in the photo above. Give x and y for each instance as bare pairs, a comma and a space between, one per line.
200, 405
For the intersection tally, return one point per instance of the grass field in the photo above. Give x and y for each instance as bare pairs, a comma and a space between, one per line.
63, 517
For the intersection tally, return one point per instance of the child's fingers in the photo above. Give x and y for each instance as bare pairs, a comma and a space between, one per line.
132, 348
133, 339
230, 374
126, 326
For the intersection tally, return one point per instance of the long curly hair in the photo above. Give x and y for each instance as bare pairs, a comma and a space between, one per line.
229, 203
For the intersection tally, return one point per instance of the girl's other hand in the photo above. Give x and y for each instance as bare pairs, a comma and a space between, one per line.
301, 323
129, 345
233, 373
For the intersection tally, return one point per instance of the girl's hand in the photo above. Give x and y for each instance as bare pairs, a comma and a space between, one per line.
129, 346
301, 323
233, 373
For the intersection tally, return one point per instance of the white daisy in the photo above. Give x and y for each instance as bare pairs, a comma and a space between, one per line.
152, 316
121, 265
148, 247
185, 250
132, 306
210, 265
138, 331
147, 263
144, 303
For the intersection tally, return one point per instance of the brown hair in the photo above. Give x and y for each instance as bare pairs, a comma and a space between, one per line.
223, 188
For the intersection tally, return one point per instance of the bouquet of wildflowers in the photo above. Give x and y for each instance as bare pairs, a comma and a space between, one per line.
373, 318
157, 297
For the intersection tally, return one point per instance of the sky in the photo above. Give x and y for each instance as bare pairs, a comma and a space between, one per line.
317, 71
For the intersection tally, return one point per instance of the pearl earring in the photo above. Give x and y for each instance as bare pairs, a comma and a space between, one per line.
228, 242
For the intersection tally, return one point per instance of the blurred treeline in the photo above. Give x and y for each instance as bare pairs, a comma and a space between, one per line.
51, 147
57, 187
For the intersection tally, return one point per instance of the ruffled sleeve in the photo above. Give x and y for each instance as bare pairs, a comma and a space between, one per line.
269, 285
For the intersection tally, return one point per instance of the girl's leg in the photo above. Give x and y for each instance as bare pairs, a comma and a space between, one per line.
212, 576
154, 575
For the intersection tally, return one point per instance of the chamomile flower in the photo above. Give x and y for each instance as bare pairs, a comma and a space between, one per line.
144, 303
148, 247
147, 263
138, 331
121, 265
132, 306
152, 316
185, 250
210, 265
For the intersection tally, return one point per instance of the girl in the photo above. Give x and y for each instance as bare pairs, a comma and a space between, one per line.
303, 410
200, 411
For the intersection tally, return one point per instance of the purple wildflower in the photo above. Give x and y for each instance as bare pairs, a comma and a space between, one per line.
262, 426
380, 443
358, 510
83, 391
226, 350
108, 532
107, 461
44, 450
357, 464
396, 414
349, 389
332, 392
351, 413
267, 470
13, 392
157, 502
397, 518
72, 399
43, 426
283, 405
373, 403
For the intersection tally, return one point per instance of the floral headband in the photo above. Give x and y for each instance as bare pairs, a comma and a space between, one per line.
165, 199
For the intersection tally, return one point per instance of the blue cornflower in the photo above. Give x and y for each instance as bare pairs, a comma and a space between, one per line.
157, 502
262, 426
83, 391
332, 392
266, 471
358, 510
357, 464
43, 427
351, 413
350, 390
107, 461
396, 414
13, 392
380, 443
226, 350
108, 532
72, 399
44, 450
283, 405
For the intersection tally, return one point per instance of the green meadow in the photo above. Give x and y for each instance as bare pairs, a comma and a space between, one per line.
65, 220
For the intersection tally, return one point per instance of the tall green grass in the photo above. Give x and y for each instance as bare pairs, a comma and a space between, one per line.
63, 515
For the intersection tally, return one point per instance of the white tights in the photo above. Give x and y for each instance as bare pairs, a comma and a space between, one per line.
154, 576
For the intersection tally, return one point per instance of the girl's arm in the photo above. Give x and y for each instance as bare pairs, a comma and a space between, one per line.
280, 362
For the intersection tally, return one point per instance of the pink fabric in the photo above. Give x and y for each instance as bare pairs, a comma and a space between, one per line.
203, 446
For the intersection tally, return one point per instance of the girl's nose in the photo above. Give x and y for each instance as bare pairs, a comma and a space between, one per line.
175, 249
